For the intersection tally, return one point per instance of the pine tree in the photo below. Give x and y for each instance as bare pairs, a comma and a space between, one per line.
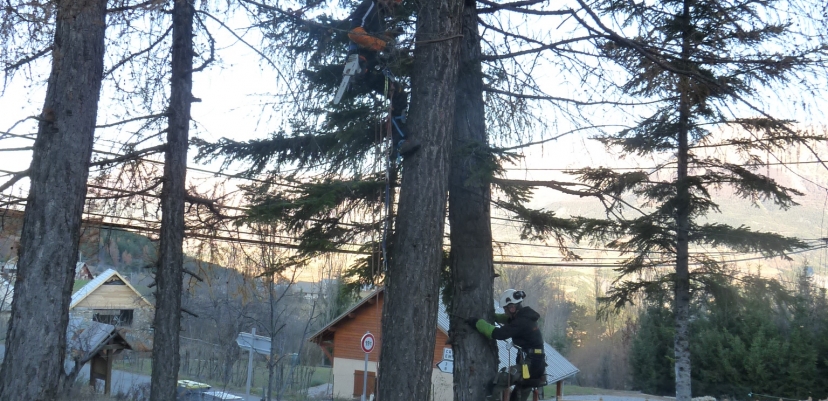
705, 64
36, 341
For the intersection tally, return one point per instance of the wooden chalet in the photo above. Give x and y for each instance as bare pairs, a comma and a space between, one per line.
340, 341
109, 298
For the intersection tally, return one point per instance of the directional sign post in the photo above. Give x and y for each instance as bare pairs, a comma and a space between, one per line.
367, 344
447, 364
252, 343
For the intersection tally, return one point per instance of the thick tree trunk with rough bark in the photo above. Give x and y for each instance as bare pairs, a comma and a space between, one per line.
168, 276
682, 280
472, 268
36, 340
409, 318
682, 283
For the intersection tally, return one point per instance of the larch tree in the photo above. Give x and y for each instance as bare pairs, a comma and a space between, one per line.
169, 269
36, 340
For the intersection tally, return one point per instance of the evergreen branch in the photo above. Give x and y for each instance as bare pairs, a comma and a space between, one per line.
556, 185
749, 185
743, 239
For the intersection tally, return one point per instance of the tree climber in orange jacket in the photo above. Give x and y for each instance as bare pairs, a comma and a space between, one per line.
369, 37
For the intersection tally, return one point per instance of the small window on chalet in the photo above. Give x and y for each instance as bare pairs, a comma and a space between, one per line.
114, 281
114, 317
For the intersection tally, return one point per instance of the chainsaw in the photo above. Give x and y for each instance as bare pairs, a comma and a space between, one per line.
351, 69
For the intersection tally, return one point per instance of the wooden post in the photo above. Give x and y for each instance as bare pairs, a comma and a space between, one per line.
108, 381
558, 390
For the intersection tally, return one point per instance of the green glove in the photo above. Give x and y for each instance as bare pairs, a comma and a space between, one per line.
485, 328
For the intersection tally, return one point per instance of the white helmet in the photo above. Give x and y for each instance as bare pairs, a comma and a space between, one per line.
511, 297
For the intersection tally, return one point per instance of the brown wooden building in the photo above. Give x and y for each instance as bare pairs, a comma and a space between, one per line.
340, 341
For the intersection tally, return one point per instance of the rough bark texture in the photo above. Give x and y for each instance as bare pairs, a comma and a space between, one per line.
472, 268
36, 340
165, 357
410, 313
682, 283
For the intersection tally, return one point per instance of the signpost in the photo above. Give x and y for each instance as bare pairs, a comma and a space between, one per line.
447, 364
252, 343
367, 344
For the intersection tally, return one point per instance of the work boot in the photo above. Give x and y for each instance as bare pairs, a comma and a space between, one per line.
408, 147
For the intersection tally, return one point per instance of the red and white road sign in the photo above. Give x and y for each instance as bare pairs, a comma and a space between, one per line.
367, 343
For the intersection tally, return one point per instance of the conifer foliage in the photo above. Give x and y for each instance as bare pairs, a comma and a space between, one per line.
752, 336
708, 66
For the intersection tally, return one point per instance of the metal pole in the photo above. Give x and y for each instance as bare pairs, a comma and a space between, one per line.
365, 378
250, 362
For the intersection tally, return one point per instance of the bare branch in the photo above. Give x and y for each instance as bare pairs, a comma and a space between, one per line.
27, 60
132, 56
516, 7
562, 99
16, 149
193, 274
131, 156
548, 46
15, 177
132, 119
135, 7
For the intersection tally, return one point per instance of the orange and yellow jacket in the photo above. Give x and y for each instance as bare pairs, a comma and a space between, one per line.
367, 26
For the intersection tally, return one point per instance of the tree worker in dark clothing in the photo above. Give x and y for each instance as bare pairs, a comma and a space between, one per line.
520, 323
370, 40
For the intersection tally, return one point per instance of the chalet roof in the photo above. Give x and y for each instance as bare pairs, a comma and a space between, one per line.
316, 337
557, 369
93, 285
85, 337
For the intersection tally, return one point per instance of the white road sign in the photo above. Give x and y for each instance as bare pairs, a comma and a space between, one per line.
446, 366
367, 343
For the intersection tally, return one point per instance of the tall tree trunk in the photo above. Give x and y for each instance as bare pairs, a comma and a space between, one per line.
165, 358
472, 268
271, 363
409, 319
682, 283
36, 339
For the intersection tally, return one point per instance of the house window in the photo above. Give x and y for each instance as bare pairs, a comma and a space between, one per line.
114, 317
